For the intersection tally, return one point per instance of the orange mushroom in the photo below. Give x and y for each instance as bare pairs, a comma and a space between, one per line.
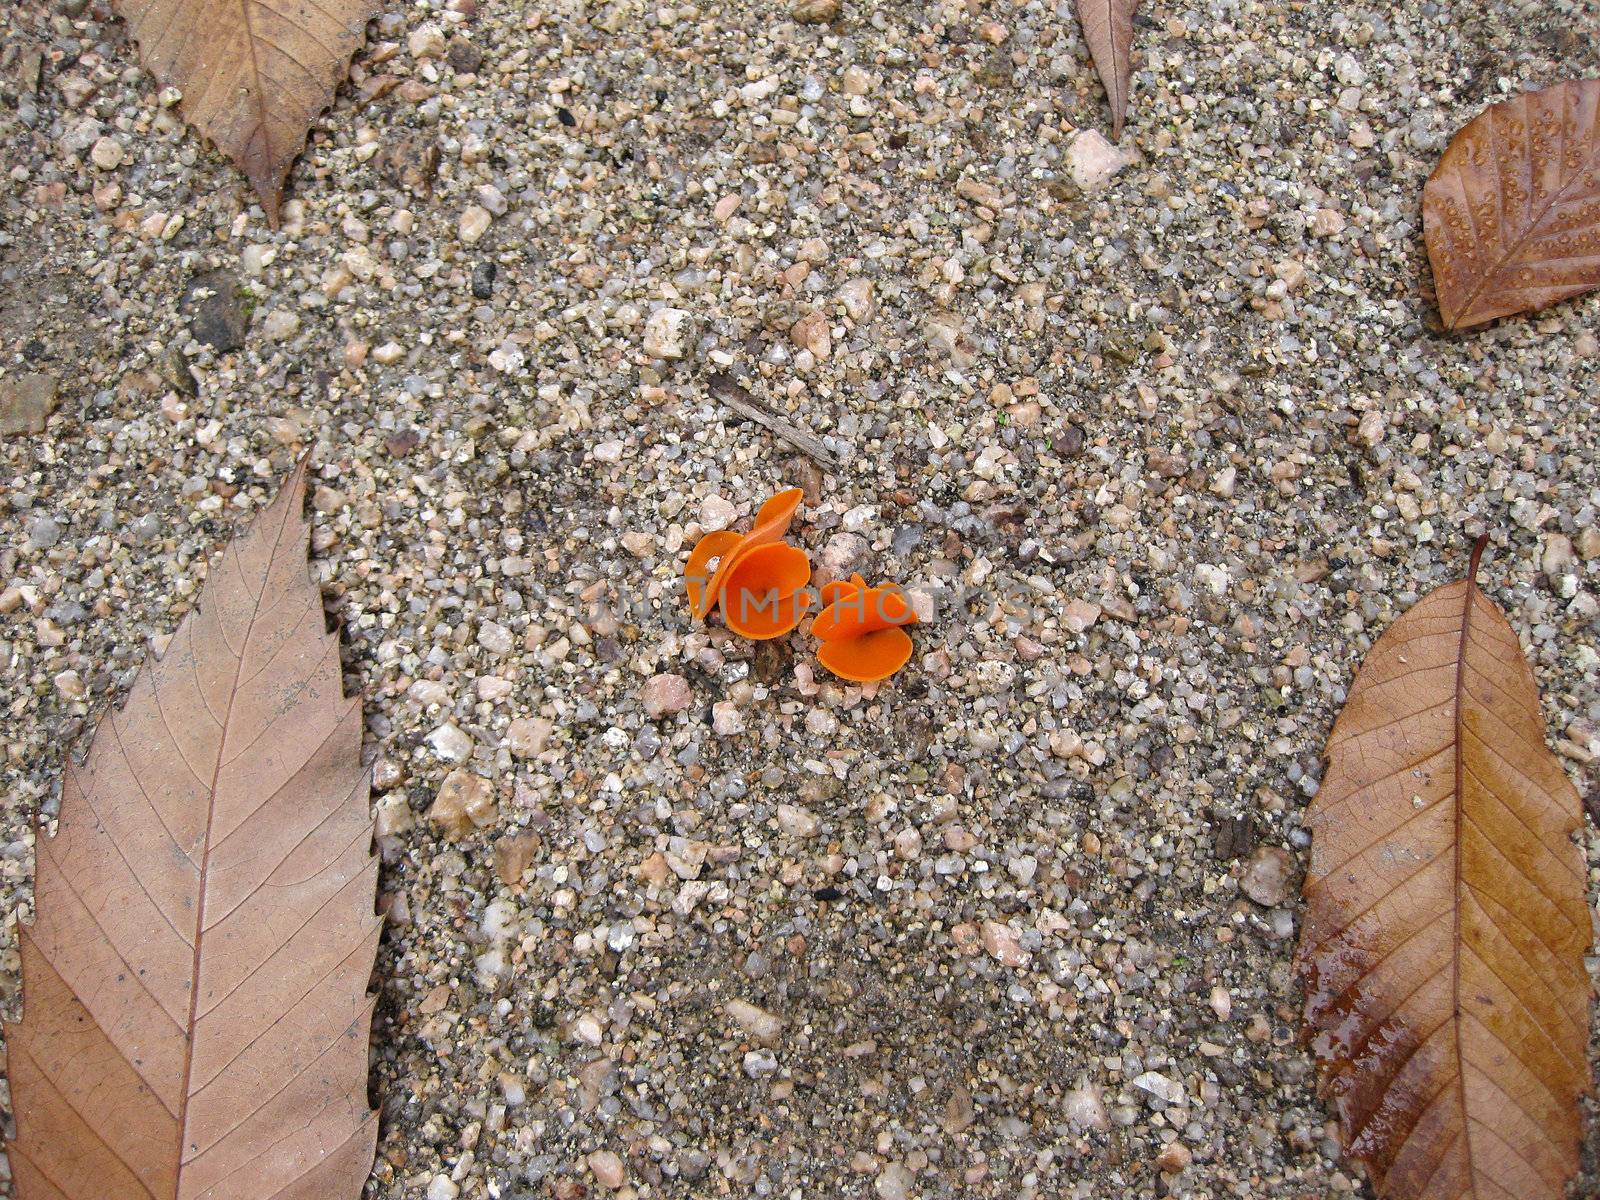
760, 579
860, 630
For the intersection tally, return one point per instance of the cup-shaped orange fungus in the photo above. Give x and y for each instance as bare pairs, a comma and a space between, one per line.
759, 579
764, 595
860, 630
695, 574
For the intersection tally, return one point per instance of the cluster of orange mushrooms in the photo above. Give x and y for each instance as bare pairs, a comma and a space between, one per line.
760, 584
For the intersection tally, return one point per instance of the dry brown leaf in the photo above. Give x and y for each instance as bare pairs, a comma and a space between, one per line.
253, 74
195, 1017
1108, 28
1446, 928
1512, 212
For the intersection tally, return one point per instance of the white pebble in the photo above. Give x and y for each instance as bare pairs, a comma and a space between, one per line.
666, 333
500, 921
107, 154
495, 638
894, 1182
856, 297
475, 222
1266, 876
754, 93
1093, 161
450, 744
796, 821
1159, 1087
1221, 1002
280, 324
726, 719
760, 1062
1086, 1108
756, 1022
427, 41
717, 513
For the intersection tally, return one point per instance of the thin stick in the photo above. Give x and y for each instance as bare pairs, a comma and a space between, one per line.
737, 397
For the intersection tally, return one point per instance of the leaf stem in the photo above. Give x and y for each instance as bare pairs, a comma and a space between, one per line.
1477, 555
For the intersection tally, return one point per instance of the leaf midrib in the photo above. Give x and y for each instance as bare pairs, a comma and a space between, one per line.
257, 87
292, 489
1460, 797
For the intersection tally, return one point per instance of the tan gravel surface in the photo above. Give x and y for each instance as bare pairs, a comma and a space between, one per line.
1161, 434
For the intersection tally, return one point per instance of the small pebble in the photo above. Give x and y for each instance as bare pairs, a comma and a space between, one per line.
1093, 161
107, 154
1086, 1109
450, 744
475, 222
665, 695
608, 1170
26, 402
667, 333
1267, 875
894, 1182
465, 802
43, 532
280, 324
816, 12
756, 1022
526, 737
427, 41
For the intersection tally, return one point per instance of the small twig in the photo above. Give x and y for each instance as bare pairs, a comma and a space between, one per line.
736, 396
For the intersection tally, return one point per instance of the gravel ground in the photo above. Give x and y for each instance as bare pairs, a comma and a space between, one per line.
1160, 453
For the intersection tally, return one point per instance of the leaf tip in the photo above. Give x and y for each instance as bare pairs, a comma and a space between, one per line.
271, 197
292, 494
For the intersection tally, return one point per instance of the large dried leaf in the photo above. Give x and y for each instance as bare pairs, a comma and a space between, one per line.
254, 74
1108, 28
1444, 940
195, 1017
1512, 212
